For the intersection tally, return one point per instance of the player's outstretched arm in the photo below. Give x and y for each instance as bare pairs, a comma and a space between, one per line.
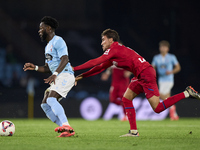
93, 62
106, 74
93, 71
31, 66
97, 69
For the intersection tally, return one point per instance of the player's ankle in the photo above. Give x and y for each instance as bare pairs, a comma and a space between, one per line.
186, 94
66, 123
134, 131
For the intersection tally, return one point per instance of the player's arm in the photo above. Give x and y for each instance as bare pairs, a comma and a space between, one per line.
153, 63
94, 71
97, 61
177, 68
127, 74
64, 60
31, 66
106, 74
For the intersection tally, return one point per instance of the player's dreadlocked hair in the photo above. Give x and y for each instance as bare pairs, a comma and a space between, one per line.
52, 22
111, 34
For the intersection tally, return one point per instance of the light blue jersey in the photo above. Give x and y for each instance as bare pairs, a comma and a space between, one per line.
164, 64
54, 50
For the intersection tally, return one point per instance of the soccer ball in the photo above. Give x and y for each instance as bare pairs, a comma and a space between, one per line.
7, 128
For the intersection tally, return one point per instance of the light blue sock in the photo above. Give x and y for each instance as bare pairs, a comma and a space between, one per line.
48, 111
57, 109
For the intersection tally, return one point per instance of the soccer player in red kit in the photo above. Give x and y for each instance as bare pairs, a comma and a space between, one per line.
144, 80
119, 84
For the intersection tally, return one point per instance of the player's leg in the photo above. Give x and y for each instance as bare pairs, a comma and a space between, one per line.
160, 106
116, 98
113, 95
130, 112
63, 84
122, 90
148, 81
165, 92
56, 107
48, 111
66, 130
132, 91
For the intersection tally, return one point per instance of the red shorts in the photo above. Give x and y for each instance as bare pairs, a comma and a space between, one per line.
145, 83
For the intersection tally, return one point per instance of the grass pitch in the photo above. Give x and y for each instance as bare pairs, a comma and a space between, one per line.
38, 134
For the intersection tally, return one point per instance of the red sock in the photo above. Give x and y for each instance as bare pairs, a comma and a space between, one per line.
169, 102
130, 112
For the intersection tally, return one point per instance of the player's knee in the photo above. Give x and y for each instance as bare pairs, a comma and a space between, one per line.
157, 111
44, 100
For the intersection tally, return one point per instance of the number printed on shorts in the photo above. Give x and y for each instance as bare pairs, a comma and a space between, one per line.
141, 60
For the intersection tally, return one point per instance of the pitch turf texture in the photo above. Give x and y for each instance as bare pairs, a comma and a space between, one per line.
38, 134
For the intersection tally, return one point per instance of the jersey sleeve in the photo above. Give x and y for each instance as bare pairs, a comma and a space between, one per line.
174, 60
108, 54
153, 63
97, 69
61, 47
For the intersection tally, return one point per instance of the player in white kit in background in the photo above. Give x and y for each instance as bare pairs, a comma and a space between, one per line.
62, 78
166, 65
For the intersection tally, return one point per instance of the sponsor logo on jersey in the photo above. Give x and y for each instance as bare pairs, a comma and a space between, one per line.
48, 57
106, 52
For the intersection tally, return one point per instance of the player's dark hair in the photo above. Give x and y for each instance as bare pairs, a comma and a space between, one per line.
111, 34
52, 22
164, 43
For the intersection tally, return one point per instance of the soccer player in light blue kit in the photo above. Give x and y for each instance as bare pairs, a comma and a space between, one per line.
167, 65
62, 78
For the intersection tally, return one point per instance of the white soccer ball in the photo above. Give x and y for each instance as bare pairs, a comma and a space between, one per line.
7, 128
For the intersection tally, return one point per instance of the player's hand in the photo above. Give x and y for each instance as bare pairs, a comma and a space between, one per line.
29, 66
50, 79
104, 76
168, 72
79, 77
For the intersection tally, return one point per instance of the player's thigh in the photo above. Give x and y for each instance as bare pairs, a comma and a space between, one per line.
154, 101
46, 93
133, 89
54, 94
129, 94
163, 97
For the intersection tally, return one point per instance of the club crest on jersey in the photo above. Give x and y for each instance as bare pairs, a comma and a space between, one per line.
115, 63
106, 52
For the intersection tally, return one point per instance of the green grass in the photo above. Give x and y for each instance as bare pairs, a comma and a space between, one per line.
38, 134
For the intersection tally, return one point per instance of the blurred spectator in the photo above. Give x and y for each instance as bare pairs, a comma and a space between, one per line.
12, 71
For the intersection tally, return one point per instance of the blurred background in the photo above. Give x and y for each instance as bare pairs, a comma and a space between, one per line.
140, 24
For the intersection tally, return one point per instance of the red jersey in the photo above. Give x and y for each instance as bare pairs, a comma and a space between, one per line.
118, 77
118, 55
